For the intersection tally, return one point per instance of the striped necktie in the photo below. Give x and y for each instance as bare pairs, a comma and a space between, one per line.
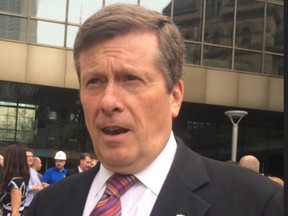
109, 204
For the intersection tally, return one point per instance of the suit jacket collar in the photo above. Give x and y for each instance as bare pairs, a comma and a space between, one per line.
76, 197
177, 196
186, 176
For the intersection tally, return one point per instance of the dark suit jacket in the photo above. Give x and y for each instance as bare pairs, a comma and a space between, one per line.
195, 186
72, 171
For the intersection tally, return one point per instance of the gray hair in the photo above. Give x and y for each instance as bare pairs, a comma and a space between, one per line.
120, 19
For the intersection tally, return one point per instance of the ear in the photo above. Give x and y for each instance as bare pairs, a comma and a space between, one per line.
176, 98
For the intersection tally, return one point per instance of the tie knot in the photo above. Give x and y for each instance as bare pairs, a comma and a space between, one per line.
118, 184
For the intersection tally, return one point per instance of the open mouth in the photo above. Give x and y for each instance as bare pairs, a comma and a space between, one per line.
114, 131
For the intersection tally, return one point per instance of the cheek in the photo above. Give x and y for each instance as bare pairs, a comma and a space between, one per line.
85, 104
89, 109
156, 113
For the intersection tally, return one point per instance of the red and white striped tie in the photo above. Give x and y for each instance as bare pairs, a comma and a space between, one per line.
109, 204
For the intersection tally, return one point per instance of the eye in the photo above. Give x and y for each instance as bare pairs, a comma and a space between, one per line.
95, 81
131, 78
91, 81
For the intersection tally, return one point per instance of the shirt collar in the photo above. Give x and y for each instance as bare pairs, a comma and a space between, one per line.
159, 169
60, 171
79, 169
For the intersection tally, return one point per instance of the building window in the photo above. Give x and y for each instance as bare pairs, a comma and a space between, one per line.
17, 122
246, 38
250, 25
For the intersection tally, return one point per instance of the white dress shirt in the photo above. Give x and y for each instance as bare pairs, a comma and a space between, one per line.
79, 169
139, 199
34, 180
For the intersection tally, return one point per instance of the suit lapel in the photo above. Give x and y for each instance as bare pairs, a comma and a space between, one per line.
177, 196
76, 196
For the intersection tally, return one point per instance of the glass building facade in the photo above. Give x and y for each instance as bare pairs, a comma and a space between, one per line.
240, 35
234, 36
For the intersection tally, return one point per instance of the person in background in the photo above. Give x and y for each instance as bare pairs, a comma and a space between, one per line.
1, 169
84, 164
15, 181
34, 182
250, 162
57, 172
93, 162
276, 179
1, 178
1, 160
36, 165
129, 62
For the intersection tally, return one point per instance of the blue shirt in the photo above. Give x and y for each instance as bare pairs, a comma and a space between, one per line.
53, 175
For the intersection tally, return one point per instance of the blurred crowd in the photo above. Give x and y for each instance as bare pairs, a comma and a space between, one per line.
251, 162
21, 179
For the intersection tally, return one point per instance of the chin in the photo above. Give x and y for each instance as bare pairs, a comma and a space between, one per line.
119, 164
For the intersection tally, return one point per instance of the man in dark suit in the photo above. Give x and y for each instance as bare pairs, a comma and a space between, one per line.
84, 164
129, 63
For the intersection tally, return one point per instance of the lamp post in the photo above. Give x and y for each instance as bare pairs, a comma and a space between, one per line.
235, 117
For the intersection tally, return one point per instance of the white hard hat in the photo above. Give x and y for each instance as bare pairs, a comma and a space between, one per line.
60, 155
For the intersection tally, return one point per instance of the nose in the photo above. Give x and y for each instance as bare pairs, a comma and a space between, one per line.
111, 99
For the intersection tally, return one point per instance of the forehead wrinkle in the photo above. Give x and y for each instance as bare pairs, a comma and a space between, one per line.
112, 51
121, 51
118, 68
111, 63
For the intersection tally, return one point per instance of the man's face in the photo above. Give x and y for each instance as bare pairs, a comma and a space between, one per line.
85, 164
29, 156
60, 164
93, 163
128, 110
38, 164
1, 161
